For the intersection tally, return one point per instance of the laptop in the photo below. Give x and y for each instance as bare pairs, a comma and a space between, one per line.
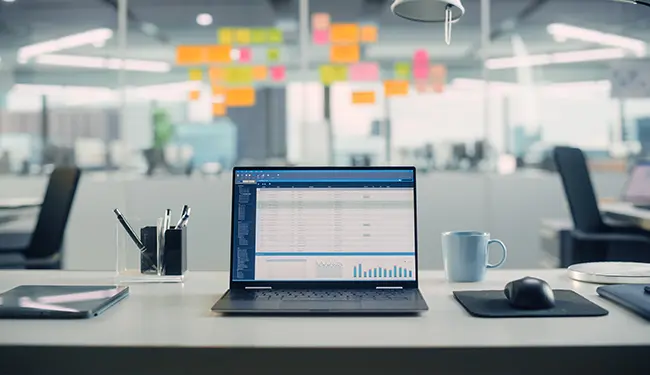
637, 187
326, 240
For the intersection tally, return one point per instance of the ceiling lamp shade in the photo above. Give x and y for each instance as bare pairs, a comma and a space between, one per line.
428, 10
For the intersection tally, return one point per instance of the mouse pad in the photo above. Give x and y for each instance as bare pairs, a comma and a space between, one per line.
493, 304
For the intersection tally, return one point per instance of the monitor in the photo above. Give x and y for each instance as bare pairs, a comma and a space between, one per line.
637, 189
324, 224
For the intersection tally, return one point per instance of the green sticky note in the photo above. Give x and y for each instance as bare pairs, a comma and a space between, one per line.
275, 36
259, 36
273, 55
403, 70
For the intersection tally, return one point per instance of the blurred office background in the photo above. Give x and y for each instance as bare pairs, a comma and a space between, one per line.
156, 100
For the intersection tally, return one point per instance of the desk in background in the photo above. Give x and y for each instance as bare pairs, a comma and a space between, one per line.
13, 209
627, 212
169, 329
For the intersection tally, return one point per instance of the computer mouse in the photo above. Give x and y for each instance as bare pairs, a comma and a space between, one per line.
529, 293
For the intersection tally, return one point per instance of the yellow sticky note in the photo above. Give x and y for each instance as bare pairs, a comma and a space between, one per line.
402, 70
333, 73
259, 36
242, 36
396, 87
196, 74
275, 36
225, 35
238, 75
240, 97
344, 54
273, 55
363, 97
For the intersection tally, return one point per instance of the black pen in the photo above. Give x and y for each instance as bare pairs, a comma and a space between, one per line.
131, 233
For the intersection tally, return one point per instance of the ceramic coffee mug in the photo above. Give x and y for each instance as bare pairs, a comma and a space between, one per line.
465, 254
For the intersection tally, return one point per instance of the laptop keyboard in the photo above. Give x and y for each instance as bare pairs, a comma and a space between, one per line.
331, 295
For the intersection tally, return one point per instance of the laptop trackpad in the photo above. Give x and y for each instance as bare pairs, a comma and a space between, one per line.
320, 305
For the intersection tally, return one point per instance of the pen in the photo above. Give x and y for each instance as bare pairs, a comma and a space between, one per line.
134, 237
167, 220
183, 221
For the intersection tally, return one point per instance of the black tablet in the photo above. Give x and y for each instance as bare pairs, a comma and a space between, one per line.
59, 301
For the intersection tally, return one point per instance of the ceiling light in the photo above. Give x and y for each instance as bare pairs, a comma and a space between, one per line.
447, 11
562, 33
71, 41
204, 19
9, 1
104, 63
556, 58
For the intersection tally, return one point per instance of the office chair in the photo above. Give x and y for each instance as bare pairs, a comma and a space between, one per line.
44, 248
595, 240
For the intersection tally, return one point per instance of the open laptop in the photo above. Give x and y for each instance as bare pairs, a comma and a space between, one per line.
323, 240
637, 187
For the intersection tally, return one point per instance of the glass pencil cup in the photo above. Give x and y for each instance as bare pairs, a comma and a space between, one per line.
141, 255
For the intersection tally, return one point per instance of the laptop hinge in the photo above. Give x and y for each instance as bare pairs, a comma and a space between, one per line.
258, 287
389, 287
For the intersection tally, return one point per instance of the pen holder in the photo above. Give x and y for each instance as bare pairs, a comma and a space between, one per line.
161, 259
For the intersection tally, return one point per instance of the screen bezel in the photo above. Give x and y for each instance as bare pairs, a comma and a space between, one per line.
635, 199
308, 284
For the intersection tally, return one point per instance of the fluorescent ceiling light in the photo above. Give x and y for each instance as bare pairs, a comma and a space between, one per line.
562, 32
204, 19
104, 63
95, 37
556, 58
9, 1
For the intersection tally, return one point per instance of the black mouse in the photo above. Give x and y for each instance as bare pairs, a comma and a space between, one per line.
530, 293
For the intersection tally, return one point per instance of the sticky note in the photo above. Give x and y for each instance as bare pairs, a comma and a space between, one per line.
396, 87
242, 36
245, 54
219, 109
225, 35
273, 55
260, 73
365, 71
420, 56
275, 36
344, 53
219, 54
217, 74
190, 55
238, 75
368, 34
320, 21
344, 33
194, 95
218, 91
438, 77
278, 73
196, 74
402, 70
421, 72
240, 97
333, 73
320, 36
363, 97
259, 36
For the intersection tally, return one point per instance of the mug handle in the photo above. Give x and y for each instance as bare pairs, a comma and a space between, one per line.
505, 253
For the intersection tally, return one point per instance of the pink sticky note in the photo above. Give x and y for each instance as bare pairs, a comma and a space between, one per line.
366, 71
420, 72
321, 36
245, 54
420, 56
278, 73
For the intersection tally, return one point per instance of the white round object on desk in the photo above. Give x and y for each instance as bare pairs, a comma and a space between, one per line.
611, 272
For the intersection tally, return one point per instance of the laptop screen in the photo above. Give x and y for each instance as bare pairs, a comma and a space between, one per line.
324, 225
638, 185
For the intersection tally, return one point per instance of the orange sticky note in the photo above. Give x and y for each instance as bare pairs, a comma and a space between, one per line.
320, 21
218, 54
219, 109
260, 73
344, 33
240, 97
195, 95
363, 97
343, 54
217, 74
190, 55
218, 91
368, 34
396, 87
438, 77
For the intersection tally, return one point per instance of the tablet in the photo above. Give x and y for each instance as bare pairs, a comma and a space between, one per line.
59, 301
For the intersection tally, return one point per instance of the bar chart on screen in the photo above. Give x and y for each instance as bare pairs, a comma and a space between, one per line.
361, 272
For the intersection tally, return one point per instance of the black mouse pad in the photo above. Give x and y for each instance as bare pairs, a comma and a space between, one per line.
493, 304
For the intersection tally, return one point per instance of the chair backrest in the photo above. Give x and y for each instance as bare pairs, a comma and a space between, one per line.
579, 191
47, 238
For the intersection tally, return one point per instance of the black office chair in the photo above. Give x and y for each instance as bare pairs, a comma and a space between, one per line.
44, 248
594, 239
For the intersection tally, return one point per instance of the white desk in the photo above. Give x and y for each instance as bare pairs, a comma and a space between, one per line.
627, 212
20, 203
169, 329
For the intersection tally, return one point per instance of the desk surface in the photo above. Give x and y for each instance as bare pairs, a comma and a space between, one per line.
19, 203
625, 209
179, 316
